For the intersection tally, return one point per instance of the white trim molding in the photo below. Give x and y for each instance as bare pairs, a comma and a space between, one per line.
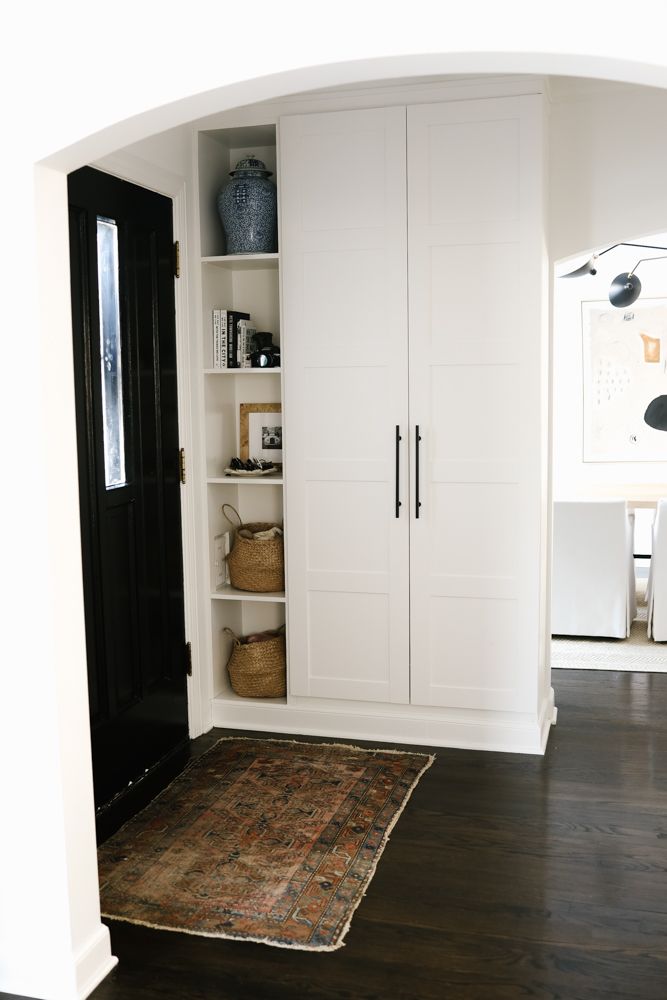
510, 732
94, 962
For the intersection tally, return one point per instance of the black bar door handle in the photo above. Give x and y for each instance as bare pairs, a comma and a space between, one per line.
398, 441
418, 502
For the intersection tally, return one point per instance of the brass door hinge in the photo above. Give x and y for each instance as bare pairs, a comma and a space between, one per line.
188, 658
181, 464
177, 259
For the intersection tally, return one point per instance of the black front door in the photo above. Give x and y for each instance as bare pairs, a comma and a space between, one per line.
121, 247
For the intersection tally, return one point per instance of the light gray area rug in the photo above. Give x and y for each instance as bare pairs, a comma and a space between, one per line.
637, 652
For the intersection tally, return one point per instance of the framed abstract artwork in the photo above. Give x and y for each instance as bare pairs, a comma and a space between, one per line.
624, 372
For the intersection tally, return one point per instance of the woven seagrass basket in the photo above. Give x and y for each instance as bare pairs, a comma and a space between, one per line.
258, 669
255, 564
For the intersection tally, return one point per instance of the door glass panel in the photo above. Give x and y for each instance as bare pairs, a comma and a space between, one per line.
110, 353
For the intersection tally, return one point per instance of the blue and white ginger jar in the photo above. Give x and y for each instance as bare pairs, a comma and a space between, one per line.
248, 208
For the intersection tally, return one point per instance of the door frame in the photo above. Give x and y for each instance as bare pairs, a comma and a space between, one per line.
137, 171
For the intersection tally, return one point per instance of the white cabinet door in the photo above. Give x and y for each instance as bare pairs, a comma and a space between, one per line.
344, 343
475, 251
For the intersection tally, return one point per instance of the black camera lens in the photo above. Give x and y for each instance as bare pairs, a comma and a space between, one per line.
262, 359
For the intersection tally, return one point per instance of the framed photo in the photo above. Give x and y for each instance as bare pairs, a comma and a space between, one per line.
624, 369
261, 432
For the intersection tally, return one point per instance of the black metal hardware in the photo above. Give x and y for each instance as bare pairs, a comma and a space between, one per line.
418, 502
398, 440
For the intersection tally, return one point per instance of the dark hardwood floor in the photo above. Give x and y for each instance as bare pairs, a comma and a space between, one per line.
506, 877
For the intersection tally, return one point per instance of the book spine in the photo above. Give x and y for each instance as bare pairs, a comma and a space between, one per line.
233, 317
242, 343
235, 343
223, 338
216, 338
231, 346
249, 332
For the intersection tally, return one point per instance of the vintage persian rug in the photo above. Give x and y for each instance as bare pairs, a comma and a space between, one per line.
260, 840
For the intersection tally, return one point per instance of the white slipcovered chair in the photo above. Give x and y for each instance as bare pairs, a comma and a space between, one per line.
593, 582
656, 591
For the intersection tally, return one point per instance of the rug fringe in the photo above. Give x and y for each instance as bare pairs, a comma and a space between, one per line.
308, 743
226, 937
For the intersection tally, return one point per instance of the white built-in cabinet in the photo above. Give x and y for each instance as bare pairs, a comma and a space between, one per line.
409, 299
411, 255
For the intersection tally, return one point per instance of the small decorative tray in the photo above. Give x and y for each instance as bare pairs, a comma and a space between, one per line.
252, 474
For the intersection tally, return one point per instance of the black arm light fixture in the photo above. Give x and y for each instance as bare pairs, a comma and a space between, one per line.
625, 287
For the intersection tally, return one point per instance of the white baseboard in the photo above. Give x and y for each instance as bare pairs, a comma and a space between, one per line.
547, 716
504, 732
93, 962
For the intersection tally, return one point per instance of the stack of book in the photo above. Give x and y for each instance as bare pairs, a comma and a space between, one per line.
232, 338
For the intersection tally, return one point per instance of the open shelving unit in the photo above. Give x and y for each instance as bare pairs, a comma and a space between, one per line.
250, 283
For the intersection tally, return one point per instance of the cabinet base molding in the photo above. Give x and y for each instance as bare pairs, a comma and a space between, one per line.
94, 962
500, 732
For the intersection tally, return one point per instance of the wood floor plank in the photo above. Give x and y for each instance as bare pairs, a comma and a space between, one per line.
506, 877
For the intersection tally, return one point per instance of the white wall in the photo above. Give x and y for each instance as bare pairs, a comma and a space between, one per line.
63, 101
608, 166
170, 151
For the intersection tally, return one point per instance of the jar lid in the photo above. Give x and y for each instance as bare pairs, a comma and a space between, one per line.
251, 165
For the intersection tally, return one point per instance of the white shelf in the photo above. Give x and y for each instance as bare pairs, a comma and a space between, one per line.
229, 593
230, 698
244, 261
245, 480
250, 283
241, 371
